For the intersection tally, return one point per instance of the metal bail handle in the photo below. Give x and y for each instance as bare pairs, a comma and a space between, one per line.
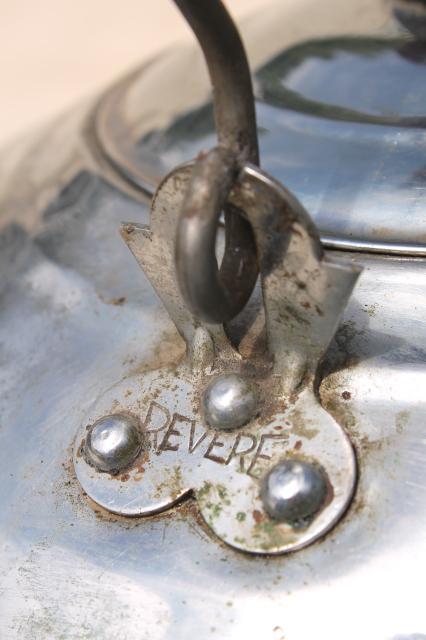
217, 295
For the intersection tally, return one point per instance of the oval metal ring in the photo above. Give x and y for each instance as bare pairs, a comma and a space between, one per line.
214, 295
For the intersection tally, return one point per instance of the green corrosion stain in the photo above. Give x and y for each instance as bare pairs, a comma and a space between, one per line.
270, 536
204, 491
241, 516
213, 499
222, 492
213, 510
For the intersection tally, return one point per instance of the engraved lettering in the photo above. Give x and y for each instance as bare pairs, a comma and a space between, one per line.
215, 442
158, 419
193, 445
171, 431
259, 455
242, 452
156, 415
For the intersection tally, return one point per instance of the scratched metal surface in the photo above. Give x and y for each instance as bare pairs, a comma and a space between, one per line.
77, 316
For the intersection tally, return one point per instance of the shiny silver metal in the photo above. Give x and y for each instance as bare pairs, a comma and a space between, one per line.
128, 577
112, 443
294, 491
229, 401
360, 177
77, 317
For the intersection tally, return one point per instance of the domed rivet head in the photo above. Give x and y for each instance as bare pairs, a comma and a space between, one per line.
293, 491
229, 401
112, 443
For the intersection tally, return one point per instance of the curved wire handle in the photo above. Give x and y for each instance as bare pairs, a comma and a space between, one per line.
229, 72
215, 295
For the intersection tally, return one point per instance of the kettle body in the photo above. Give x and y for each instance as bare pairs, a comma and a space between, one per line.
78, 316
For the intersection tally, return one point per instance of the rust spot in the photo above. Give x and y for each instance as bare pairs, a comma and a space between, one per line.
201, 155
168, 352
80, 450
297, 445
346, 395
258, 517
306, 304
125, 477
115, 301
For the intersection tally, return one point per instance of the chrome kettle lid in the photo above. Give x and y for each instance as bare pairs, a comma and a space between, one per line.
340, 110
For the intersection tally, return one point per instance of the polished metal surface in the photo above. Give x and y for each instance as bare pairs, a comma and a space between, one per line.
229, 401
69, 571
294, 491
77, 317
112, 443
331, 125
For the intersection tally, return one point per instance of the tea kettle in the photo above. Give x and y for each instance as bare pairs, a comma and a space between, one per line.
237, 450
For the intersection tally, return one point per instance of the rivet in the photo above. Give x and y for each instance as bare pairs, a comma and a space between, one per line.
293, 491
229, 401
113, 443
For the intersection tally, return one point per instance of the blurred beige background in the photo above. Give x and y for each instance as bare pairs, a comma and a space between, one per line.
55, 51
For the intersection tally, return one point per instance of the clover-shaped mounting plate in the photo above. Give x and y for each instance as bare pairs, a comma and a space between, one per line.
223, 470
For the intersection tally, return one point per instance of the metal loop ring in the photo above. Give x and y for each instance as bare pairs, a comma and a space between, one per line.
212, 295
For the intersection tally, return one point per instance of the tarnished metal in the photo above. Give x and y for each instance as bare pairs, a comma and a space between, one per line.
229, 72
222, 469
78, 318
212, 295
63, 560
230, 401
185, 454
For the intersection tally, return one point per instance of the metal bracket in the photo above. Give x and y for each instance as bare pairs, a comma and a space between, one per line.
230, 470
